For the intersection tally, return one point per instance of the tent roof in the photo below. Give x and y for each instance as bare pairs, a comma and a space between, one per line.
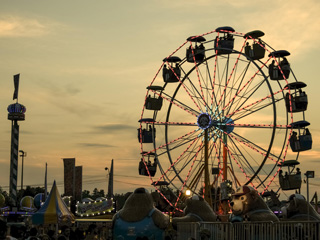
54, 210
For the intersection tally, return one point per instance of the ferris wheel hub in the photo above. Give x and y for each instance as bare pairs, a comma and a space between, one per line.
204, 121
227, 125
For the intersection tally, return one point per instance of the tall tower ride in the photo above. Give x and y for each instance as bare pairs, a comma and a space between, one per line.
16, 112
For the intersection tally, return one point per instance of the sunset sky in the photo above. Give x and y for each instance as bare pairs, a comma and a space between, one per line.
84, 67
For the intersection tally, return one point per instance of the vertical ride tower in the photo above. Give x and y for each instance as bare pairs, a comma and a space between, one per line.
110, 183
16, 112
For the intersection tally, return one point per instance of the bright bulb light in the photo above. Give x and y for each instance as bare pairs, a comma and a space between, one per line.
188, 192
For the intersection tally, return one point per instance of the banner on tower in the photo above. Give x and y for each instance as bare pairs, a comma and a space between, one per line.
16, 86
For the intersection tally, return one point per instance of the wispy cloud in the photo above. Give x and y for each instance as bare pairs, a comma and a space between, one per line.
11, 26
113, 127
296, 25
94, 145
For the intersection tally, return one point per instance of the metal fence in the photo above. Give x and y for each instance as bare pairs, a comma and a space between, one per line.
249, 231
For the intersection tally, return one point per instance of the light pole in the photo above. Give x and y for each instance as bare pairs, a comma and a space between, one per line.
23, 154
308, 174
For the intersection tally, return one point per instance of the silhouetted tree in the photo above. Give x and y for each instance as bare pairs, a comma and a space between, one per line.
85, 194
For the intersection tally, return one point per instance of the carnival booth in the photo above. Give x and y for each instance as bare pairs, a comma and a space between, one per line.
99, 208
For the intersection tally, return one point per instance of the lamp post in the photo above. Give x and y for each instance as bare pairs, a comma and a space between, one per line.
23, 154
308, 174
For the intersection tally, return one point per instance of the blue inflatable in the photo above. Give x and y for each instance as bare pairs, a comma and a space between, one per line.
134, 230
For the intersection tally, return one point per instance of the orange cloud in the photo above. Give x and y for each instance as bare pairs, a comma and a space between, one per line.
21, 27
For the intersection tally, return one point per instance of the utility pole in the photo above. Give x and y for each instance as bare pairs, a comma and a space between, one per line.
309, 174
23, 155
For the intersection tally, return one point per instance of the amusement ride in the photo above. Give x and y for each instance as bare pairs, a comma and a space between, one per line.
223, 110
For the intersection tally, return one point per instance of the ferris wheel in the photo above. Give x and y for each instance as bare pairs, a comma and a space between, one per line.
223, 110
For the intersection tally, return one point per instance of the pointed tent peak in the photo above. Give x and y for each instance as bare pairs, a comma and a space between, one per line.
54, 189
54, 210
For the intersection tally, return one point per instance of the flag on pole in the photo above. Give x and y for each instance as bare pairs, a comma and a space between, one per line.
16, 86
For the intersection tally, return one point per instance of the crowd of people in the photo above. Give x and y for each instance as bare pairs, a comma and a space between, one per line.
21, 232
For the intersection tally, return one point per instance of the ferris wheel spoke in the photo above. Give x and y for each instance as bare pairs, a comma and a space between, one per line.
197, 71
237, 153
281, 160
184, 168
228, 78
256, 106
216, 86
184, 87
179, 142
217, 155
270, 172
179, 104
189, 153
184, 183
235, 160
213, 96
221, 86
187, 162
241, 77
176, 123
182, 159
171, 142
233, 75
242, 158
253, 107
248, 125
209, 82
246, 95
196, 96
271, 181
255, 147
209, 86
245, 88
193, 142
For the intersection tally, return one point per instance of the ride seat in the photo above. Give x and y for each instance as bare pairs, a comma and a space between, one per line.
153, 103
171, 75
255, 52
224, 45
303, 143
290, 181
275, 73
146, 136
299, 102
197, 52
